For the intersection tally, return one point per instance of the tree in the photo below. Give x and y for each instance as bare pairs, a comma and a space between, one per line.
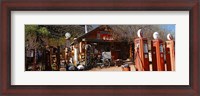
35, 36
57, 33
129, 32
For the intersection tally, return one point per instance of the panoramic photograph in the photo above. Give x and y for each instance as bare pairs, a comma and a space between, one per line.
100, 47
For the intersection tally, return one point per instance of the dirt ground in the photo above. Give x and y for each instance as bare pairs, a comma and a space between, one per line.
112, 68
116, 68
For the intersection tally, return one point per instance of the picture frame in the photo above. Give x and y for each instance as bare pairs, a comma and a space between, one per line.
104, 5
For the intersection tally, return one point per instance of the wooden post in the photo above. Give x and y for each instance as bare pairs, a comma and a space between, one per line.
58, 57
50, 55
130, 51
86, 54
46, 59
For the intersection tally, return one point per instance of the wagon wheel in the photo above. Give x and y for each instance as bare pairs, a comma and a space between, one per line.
107, 63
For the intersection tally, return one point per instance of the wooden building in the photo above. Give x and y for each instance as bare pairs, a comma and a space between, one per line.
97, 41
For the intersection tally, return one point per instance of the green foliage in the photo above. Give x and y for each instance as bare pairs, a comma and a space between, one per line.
43, 31
35, 36
30, 28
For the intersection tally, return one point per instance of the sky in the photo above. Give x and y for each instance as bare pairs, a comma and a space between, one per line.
169, 27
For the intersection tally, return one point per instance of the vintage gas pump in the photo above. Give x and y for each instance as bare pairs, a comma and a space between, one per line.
170, 53
157, 53
141, 53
